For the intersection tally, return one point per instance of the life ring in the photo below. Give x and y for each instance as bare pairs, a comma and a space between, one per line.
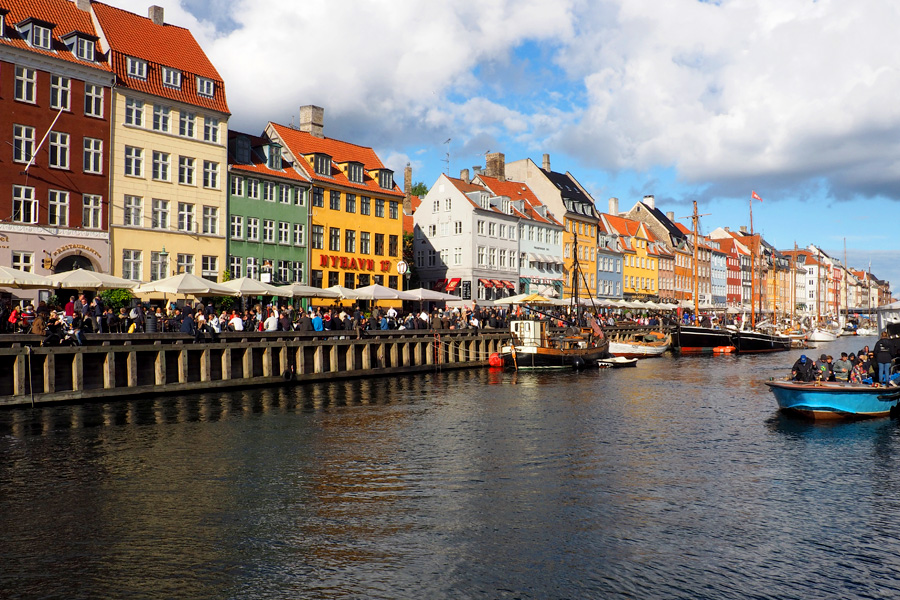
288, 375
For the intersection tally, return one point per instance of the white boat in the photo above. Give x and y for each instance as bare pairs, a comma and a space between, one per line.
821, 335
866, 331
616, 362
644, 346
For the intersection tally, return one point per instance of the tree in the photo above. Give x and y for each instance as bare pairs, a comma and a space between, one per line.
409, 259
418, 189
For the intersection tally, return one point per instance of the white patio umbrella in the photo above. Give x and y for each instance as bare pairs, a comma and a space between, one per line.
298, 290
510, 299
187, 284
23, 280
380, 292
247, 286
423, 294
343, 293
82, 279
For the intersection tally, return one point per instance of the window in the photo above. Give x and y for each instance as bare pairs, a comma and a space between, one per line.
350, 203
186, 124
134, 112
334, 239
93, 155
432, 258
393, 245
268, 231
379, 244
159, 214
136, 67
364, 242
436, 206
60, 92
26, 80
492, 257
185, 263
298, 270
394, 210
237, 227
237, 185
131, 264
502, 230
379, 207
206, 87
333, 278
322, 164
211, 130
492, 229
457, 256
236, 266
59, 150
334, 200
24, 261
185, 170
432, 231
171, 77
355, 172
386, 179
252, 229
318, 196
210, 220
480, 227
481, 256
161, 118
350, 280
133, 211
298, 234
502, 263
134, 161
252, 267
40, 37
210, 174
457, 227
268, 191
318, 237
93, 100
185, 216
209, 267
160, 166
58, 209
349, 240
445, 229
365, 206
299, 196
284, 194
159, 265
84, 49
91, 212
253, 188
284, 232
445, 257
23, 143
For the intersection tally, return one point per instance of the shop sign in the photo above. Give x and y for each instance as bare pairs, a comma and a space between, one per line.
352, 263
68, 247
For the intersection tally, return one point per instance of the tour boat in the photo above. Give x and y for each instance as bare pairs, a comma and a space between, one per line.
821, 335
640, 346
747, 341
533, 347
702, 340
834, 400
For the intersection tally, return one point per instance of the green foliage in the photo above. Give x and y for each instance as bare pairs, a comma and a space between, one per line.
117, 298
419, 189
226, 276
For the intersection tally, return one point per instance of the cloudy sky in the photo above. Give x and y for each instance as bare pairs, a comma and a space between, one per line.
683, 99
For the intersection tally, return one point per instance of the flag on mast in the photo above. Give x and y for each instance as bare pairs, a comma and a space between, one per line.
755, 196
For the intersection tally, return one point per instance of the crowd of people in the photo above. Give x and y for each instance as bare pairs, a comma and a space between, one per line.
867, 366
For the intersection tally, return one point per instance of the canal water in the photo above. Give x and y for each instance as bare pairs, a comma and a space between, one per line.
676, 479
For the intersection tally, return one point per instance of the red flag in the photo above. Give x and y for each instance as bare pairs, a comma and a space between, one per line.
755, 196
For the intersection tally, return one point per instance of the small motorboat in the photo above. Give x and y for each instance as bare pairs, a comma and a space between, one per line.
616, 362
645, 345
834, 400
533, 347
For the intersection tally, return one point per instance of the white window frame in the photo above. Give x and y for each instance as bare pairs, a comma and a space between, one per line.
206, 87
252, 229
92, 161
237, 227
84, 49
58, 150
171, 78
25, 205
186, 122
40, 37
211, 130
184, 263
133, 211
23, 143
94, 97
161, 166
134, 112
209, 267
23, 261
159, 214
284, 233
136, 67
26, 84
60, 92
187, 170
162, 118
134, 161
92, 211
211, 220
57, 208
268, 231
236, 266
210, 174
299, 234
186, 217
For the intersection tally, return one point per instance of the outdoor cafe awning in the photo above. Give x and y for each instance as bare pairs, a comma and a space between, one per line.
453, 284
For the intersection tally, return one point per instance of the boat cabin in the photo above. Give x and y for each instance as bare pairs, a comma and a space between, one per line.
537, 333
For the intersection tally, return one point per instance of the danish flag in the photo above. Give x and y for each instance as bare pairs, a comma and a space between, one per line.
755, 196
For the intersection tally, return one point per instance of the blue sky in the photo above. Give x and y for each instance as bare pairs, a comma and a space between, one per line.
685, 100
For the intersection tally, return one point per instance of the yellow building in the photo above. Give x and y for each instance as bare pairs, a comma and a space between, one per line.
169, 150
640, 266
356, 224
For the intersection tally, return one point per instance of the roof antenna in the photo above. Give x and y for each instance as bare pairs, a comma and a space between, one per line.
447, 156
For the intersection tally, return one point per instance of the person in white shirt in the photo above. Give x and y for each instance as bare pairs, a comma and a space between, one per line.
237, 324
391, 313
271, 322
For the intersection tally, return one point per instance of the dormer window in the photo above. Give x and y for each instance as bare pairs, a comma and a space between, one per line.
206, 87
37, 32
137, 68
242, 150
171, 78
355, 172
40, 37
386, 179
3, 13
274, 157
322, 164
84, 49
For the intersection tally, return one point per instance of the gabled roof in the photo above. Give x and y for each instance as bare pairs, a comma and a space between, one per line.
303, 145
515, 191
258, 164
627, 227
675, 233
62, 13
574, 198
166, 45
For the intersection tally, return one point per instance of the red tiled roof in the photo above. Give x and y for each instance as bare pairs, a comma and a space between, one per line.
303, 144
167, 45
62, 13
258, 163
623, 226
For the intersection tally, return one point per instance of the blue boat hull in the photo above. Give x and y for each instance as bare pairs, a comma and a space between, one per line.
834, 400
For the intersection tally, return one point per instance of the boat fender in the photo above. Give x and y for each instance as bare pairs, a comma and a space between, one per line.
494, 360
288, 374
577, 363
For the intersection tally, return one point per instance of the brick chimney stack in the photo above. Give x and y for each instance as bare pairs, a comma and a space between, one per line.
495, 165
464, 175
155, 13
407, 189
312, 120
614, 206
83, 5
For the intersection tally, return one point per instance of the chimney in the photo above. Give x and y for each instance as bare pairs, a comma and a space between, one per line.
743, 229
477, 170
407, 189
312, 119
727, 228
546, 165
496, 165
155, 13
671, 215
650, 201
464, 175
613, 206
83, 5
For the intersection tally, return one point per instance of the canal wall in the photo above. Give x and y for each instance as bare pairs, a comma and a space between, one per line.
113, 366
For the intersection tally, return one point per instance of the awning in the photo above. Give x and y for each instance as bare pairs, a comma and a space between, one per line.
452, 284
535, 258
509, 285
486, 283
497, 283
439, 285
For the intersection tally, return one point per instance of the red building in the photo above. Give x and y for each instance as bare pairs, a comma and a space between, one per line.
55, 111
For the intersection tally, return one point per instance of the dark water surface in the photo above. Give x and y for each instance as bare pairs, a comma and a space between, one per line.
677, 479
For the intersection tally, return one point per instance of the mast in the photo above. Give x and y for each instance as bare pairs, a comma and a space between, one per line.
696, 219
753, 271
818, 286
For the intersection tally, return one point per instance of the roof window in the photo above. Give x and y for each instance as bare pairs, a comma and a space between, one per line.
137, 68
171, 78
206, 87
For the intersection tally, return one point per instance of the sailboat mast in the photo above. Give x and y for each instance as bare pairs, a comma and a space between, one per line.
753, 253
696, 219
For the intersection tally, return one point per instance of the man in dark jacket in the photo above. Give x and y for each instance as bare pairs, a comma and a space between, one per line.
884, 354
803, 369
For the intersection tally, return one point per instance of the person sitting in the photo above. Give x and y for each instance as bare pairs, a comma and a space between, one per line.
802, 369
840, 368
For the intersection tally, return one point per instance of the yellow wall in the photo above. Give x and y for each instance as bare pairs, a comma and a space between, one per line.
586, 232
640, 264
143, 238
